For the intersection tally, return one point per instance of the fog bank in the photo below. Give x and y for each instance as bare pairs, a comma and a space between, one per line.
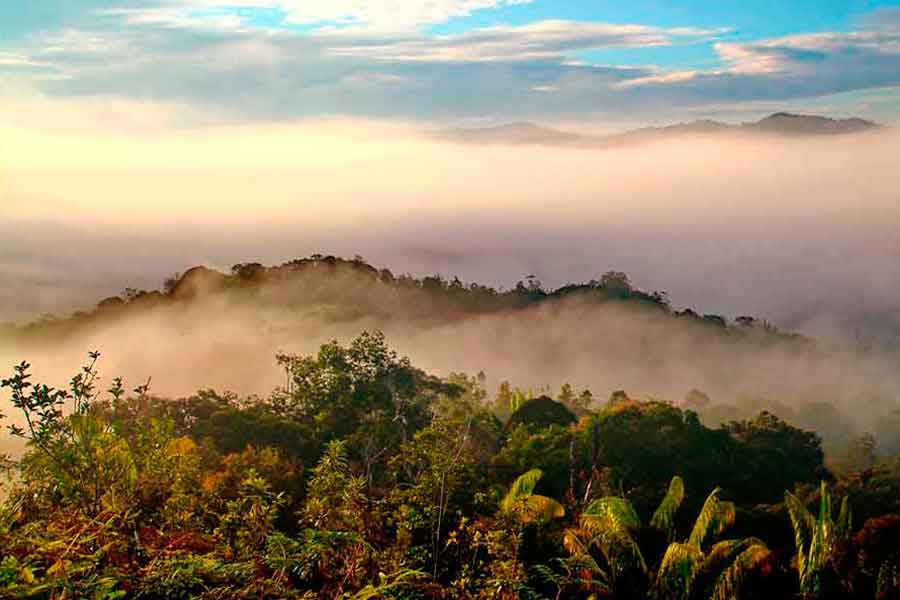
802, 232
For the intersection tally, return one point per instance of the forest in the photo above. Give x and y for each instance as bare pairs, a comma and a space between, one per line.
363, 476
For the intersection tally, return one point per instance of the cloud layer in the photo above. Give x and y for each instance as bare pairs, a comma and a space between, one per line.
265, 60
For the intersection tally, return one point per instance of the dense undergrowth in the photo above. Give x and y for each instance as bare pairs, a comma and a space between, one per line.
365, 477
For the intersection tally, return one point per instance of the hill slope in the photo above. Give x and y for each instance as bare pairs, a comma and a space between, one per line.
779, 124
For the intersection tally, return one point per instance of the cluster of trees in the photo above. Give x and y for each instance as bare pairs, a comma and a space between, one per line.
365, 477
317, 273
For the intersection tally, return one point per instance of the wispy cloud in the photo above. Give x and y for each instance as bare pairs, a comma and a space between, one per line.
383, 15
229, 61
540, 40
795, 66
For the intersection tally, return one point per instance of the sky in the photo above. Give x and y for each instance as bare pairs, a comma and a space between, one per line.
598, 61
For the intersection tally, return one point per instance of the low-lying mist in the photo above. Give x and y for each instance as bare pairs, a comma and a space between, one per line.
227, 338
801, 232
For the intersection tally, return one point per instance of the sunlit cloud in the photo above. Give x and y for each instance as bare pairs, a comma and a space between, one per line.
384, 15
536, 41
267, 60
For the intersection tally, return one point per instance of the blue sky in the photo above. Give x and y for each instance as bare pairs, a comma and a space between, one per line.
490, 60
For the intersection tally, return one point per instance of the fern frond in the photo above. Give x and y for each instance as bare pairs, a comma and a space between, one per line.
664, 517
705, 519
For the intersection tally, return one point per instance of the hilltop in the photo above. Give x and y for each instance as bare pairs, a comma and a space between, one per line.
781, 123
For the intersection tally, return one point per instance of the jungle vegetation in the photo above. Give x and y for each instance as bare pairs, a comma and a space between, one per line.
366, 477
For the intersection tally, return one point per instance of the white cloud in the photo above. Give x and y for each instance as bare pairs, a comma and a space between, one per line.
177, 17
380, 15
212, 59
11, 59
535, 41
387, 14
796, 53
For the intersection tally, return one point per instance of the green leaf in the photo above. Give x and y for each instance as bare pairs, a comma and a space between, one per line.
731, 580
706, 519
521, 488
677, 571
664, 517
617, 510
804, 524
541, 509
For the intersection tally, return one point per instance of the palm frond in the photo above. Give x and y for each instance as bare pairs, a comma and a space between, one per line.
816, 557
725, 516
618, 510
804, 525
664, 517
845, 518
609, 521
824, 522
578, 550
541, 509
573, 543
622, 552
521, 488
731, 580
677, 571
705, 519
721, 553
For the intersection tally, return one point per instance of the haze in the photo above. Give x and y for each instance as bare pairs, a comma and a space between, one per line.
802, 232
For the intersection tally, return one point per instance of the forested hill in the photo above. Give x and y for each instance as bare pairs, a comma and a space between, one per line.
205, 328
353, 288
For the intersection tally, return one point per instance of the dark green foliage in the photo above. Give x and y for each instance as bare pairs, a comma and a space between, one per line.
541, 412
766, 441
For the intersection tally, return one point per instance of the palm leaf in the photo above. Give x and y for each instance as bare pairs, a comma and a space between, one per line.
732, 579
617, 510
622, 552
725, 516
577, 548
845, 518
521, 488
706, 518
824, 522
664, 517
677, 571
804, 525
573, 543
609, 521
721, 553
540, 509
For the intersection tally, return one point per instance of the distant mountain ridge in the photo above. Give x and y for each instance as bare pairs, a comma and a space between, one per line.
781, 123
